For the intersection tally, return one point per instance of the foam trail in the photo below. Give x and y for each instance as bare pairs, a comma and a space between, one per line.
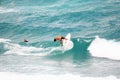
105, 48
18, 49
16, 76
4, 40
14, 48
4, 10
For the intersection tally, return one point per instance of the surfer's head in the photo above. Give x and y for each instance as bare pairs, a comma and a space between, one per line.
54, 40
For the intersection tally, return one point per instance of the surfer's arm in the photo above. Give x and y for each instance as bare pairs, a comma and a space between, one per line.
64, 38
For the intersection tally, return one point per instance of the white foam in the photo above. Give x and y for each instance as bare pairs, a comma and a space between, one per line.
4, 40
5, 10
18, 76
14, 48
105, 48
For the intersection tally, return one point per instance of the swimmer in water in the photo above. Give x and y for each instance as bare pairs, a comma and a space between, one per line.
25, 40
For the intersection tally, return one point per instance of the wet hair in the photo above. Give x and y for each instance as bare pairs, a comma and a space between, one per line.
54, 40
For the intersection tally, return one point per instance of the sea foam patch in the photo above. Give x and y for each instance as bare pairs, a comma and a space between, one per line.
18, 76
5, 10
14, 48
105, 48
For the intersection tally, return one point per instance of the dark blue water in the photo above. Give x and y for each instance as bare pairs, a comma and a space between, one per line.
95, 32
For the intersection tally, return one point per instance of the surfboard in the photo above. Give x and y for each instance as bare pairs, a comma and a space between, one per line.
67, 44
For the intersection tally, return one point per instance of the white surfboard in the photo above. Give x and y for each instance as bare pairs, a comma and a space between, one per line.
67, 44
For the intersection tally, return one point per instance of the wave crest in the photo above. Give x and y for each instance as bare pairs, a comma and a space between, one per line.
105, 48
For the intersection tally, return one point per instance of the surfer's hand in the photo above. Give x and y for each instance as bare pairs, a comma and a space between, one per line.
66, 39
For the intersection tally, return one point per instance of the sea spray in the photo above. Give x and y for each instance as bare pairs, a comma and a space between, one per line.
105, 48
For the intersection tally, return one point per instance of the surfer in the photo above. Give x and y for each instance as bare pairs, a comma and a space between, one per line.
25, 40
59, 38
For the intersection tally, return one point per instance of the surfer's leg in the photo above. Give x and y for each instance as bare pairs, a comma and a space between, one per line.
61, 43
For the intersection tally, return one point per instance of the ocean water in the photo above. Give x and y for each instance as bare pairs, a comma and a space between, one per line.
95, 31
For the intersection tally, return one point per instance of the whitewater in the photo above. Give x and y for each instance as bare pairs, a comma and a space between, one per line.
95, 32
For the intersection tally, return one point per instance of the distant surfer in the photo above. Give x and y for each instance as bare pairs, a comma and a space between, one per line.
25, 40
60, 38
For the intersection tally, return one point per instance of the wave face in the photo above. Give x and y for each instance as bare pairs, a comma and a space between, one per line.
94, 27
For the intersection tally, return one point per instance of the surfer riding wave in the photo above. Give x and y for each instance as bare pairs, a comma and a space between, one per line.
60, 38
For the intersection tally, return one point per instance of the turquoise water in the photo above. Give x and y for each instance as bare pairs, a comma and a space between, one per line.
95, 32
